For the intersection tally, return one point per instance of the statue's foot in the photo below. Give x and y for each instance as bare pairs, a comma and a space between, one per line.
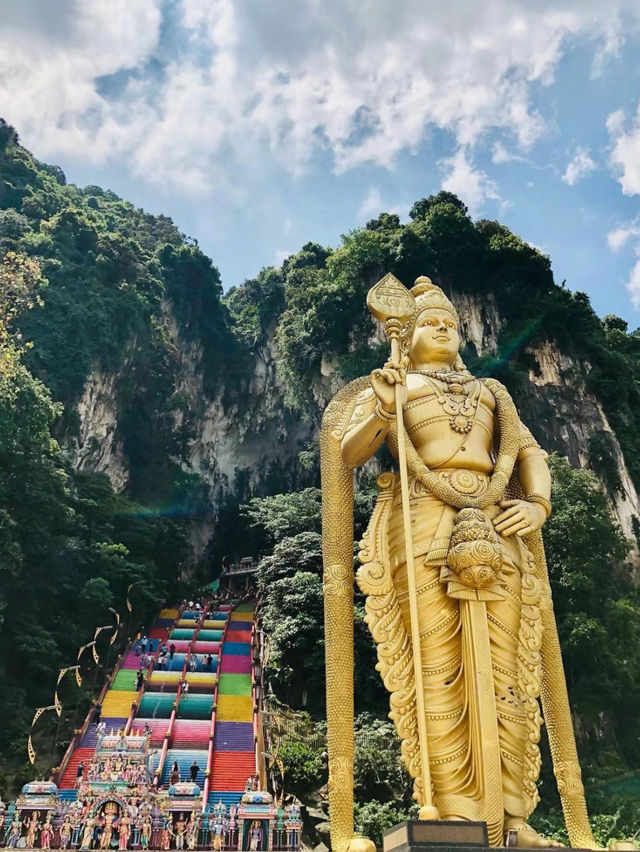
528, 837
621, 845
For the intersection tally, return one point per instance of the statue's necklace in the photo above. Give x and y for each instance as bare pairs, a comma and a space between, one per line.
457, 401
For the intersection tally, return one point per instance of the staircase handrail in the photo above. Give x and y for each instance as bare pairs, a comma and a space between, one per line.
136, 702
209, 770
79, 734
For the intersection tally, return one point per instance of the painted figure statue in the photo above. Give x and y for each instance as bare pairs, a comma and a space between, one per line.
32, 829
193, 829
87, 834
124, 832
255, 836
110, 816
145, 832
46, 835
65, 832
453, 567
15, 830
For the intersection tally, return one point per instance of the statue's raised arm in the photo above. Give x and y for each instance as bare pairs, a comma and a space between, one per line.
457, 590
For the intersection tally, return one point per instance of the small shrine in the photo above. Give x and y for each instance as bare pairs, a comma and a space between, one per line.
256, 825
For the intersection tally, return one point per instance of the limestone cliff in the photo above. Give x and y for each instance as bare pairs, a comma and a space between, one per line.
234, 444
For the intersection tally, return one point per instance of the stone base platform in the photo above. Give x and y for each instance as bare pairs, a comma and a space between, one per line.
414, 835
440, 836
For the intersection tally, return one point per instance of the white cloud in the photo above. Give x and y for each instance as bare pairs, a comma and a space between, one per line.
633, 285
580, 166
224, 86
500, 154
281, 256
472, 185
625, 153
619, 237
372, 205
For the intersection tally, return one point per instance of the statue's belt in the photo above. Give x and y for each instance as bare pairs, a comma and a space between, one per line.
464, 481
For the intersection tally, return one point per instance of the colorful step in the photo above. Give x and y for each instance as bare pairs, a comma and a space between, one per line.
234, 684
227, 798
181, 633
231, 769
159, 728
118, 702
239, 649
184, 758
209, 635
156, 705
234, 708
125, 680
201, 681
234, 664
195, 707
68, 780
234, 635
234, 736
188, 732
206, 647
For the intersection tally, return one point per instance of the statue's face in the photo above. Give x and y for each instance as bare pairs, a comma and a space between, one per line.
435, 337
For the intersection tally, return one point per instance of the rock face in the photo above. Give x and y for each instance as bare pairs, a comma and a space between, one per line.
231, 441
96, 448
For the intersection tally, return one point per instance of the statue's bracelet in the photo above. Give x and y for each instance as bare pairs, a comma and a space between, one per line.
383, 415
541, 501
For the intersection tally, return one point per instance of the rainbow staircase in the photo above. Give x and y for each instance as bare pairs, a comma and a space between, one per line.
212, 724
233, 757
181, 721
117, 702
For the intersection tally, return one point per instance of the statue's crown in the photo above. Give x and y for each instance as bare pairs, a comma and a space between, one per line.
429, 295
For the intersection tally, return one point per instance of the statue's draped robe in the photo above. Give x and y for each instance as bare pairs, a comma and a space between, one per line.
472, 777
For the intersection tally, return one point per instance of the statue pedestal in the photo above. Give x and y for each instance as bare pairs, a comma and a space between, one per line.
417, 835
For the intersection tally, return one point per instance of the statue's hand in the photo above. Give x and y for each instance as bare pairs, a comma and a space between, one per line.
384, 384
520, 517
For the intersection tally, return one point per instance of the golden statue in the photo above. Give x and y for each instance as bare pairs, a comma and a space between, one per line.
453, 567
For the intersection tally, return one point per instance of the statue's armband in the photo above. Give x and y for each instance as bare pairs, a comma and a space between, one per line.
528, 445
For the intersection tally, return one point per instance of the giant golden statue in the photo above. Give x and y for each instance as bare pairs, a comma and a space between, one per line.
453, 567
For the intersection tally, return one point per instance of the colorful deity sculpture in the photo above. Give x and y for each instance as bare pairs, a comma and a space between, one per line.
65, 832
255, 836
87, 834
46, 833
457, 589
145, 832
180, 831
193, 830
124, 831
109, 818
15, 830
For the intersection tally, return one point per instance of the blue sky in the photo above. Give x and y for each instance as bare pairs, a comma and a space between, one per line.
260, 126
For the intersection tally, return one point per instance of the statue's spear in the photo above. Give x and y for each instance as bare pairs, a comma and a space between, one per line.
391, 303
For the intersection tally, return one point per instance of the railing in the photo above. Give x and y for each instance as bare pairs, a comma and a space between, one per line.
172, 718
239, 568
77, 736
210, 756
138, 699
